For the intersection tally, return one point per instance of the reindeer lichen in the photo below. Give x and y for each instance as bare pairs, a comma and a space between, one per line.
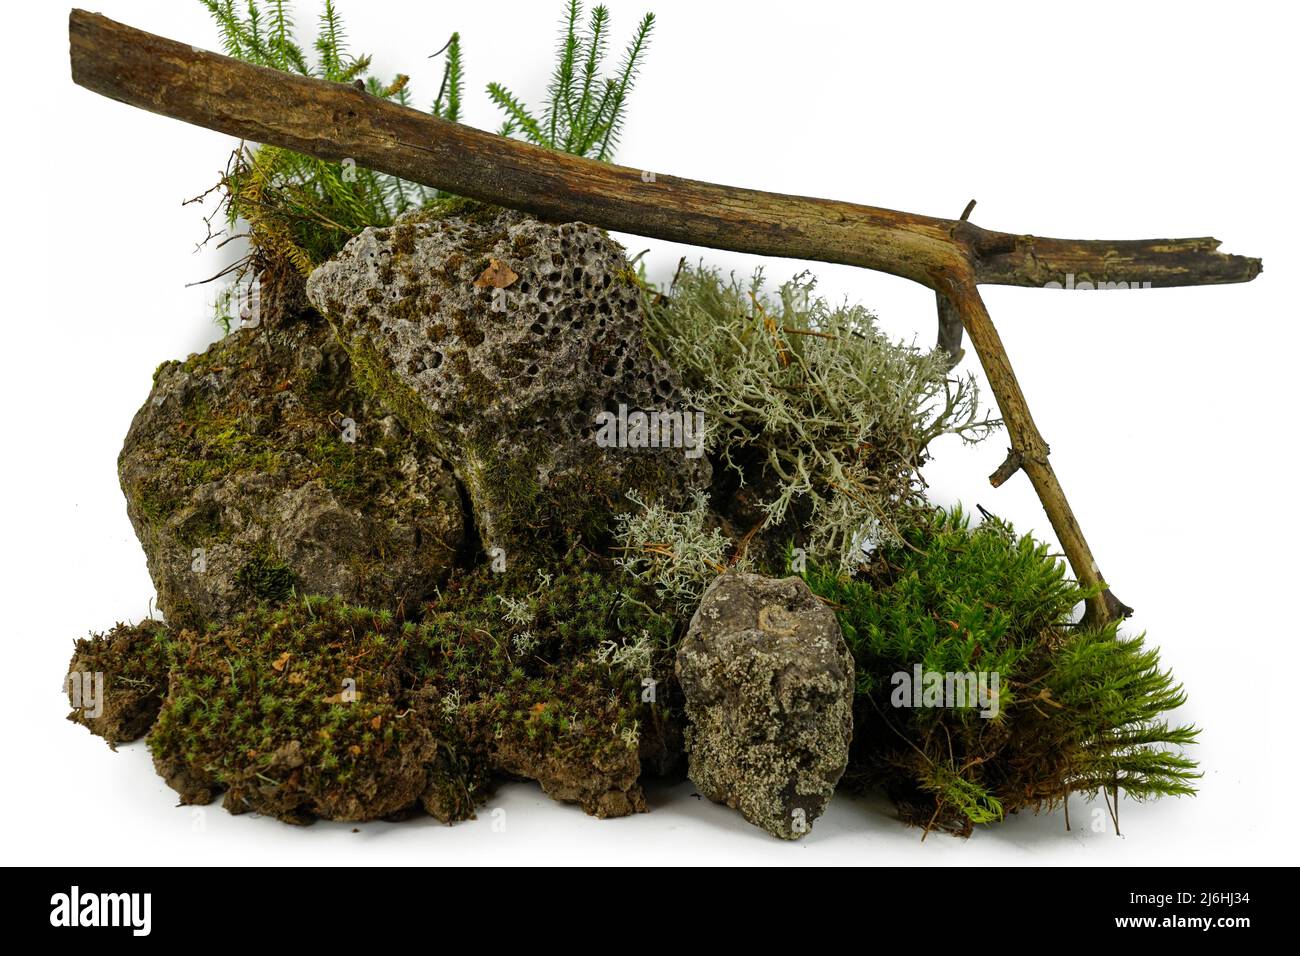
811, 404
675, 551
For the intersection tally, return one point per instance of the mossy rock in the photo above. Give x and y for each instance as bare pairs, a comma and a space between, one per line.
322, 709
501, 339
258, 468
299, 713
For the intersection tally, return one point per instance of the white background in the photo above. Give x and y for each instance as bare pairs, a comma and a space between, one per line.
1170, 412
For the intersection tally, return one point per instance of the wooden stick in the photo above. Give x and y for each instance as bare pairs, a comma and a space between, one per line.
335, 121
1029, 451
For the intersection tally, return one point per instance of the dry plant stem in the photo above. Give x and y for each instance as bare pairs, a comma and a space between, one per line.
1029, 451
335, 121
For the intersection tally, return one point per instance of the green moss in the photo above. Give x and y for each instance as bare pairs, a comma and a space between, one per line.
404, 239
1076, 709
152, 504
538, 666
454, 207
373, 375
319, 708
266, 580
246, 433
202, 528
296, 712
162, 367
569, 609
134, 661
521, 247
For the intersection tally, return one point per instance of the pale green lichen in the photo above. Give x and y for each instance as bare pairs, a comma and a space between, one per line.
812, 403
674, 551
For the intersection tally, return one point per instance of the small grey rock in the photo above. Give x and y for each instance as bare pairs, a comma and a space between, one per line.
768, 682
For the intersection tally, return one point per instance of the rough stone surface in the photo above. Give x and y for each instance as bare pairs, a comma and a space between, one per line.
501, 338
241, 487
768, 681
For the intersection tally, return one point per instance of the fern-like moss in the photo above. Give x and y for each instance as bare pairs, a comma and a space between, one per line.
584, 112
1078, 709
300, 209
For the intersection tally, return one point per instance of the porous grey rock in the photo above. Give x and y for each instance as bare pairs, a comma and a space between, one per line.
501, 338
241, 487
768, 682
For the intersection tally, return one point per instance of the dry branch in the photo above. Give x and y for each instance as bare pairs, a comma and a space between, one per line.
335, 121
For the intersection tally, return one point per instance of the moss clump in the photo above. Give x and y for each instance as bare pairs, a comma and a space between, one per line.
132, 661
297, 712
319, 708
266, 580
548, 672
1073, 709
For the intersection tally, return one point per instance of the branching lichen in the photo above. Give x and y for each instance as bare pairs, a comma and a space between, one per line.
835, 415
674, 551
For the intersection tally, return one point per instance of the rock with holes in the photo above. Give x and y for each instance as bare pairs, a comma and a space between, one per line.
768, 682
516, 347
258, 468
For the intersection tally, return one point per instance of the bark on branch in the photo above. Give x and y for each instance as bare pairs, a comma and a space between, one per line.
1010, 465
335, 121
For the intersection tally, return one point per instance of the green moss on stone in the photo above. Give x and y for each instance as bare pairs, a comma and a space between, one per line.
320, 708
266, 580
